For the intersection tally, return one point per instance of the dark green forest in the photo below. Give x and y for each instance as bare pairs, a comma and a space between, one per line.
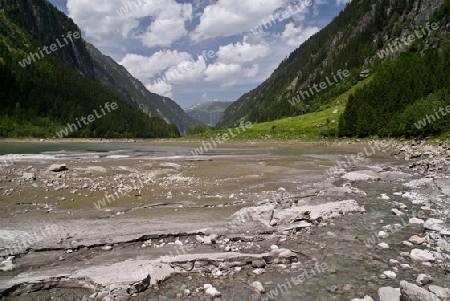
404, 91
40, 99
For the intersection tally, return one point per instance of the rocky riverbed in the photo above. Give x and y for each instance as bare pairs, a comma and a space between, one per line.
297, 221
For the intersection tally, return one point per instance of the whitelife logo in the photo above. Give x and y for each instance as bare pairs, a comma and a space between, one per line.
407, 40
281, 16
323, 85
91, 118
33, 57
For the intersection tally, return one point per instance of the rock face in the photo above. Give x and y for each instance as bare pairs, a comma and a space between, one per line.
411, 292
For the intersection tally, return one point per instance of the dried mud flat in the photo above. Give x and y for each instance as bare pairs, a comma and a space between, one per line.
243, 223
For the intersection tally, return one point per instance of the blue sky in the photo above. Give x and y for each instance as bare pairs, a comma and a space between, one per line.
199, 50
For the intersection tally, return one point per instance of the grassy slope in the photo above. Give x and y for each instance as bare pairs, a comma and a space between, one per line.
302, 127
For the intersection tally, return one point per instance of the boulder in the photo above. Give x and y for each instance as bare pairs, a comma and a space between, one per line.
411, 292
443, 293
389, 294
421, 255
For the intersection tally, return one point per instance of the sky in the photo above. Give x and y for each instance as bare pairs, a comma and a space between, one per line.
199, 50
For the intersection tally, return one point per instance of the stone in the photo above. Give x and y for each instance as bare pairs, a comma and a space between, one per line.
434, 224
257, 286
416, 221
443, 293
213, 292
389, 293
383, 234
390, 275
423, 279
445, 232
57, 167
383, 245
411, 292
139, 286
7, 264
417, 240
29, 176
332, 288
258, 271
421, 255
397, 212
258, 263
356, 176
107, 248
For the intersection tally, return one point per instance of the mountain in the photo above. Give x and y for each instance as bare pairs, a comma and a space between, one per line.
52, 76
361, 41
208, 112
117, 78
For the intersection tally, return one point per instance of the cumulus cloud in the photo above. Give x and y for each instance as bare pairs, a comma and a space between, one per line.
231, 17
144, 67
161, 88
294, 36
100, 19
242, 52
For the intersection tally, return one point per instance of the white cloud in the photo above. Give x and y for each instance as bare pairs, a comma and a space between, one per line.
223, 73
102, 18
231, 17
339, 2
242, 52
294, 36
186, 72
161, 88
144, 67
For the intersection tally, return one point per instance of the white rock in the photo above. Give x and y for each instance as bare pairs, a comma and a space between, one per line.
383, 234
423, 279
389, 294
107, 248
397, 212
443, 293
258, 286
434, 224
178, 243
405, 266
390, 274
383, 245
237, 269
384, 197
274, 247
421, 255
258, 271
393, 261
416, 221
213, 292
407, 243
445, 232
7, 264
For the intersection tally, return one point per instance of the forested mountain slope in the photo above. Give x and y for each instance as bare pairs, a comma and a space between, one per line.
362, 37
